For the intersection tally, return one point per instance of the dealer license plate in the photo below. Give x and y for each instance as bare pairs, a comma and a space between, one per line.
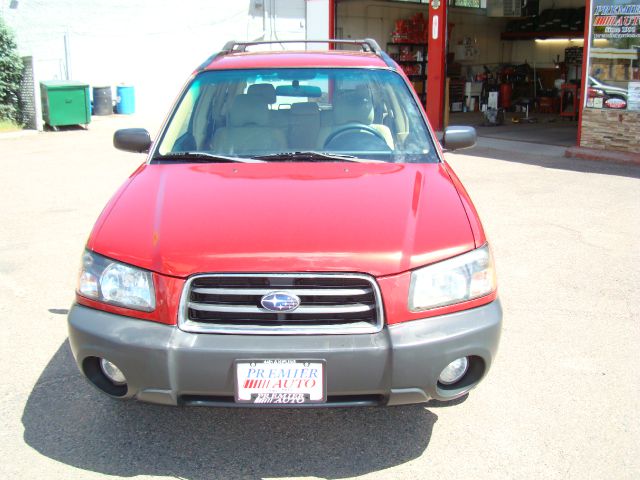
280, 381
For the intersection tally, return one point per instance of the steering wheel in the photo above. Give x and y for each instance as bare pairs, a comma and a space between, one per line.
358, 129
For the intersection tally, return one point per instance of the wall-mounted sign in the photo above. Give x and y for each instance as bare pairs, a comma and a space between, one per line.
616, 19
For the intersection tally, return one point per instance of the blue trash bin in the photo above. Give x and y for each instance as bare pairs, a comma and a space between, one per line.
125, 100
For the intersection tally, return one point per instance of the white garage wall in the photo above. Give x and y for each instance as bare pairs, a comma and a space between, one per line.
484, 35
151, 44
318, 21
372, 19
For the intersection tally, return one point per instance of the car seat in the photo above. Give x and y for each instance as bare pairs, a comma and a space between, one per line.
267, 93
354, 107
304, 126
248, 130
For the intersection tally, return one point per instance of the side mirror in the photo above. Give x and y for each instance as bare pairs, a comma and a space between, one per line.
136, 140
456, 138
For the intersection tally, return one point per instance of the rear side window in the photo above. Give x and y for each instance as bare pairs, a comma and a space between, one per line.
365, 113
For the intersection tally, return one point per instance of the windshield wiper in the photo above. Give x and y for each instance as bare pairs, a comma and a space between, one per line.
202, 157
309, 157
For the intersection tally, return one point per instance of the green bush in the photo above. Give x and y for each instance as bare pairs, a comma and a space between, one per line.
10, 74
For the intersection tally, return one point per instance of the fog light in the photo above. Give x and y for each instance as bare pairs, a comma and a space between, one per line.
454, 371
112, 372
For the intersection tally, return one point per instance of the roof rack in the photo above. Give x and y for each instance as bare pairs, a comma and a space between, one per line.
367, 44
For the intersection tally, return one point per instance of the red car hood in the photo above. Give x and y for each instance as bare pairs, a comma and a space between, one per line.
374, 218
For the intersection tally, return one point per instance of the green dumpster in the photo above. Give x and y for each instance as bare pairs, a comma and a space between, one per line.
65, 103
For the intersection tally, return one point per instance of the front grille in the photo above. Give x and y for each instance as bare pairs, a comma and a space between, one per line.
329, 304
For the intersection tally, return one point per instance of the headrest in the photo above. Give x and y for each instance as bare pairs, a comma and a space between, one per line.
246, 111
353, 106
305, 108
265, 91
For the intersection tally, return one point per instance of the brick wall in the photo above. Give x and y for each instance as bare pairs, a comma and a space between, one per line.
611, 130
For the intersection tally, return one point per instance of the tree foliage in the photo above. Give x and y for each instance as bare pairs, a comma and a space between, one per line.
10, 74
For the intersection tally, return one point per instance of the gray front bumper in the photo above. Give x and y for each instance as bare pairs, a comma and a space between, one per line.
398, 365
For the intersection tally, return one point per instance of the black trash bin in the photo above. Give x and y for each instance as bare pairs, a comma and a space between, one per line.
102, 101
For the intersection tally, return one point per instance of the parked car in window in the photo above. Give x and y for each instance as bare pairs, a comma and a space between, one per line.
612, 96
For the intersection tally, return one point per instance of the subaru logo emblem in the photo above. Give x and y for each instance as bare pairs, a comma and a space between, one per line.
280, 302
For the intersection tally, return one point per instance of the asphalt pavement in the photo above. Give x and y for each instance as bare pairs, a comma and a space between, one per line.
561, 400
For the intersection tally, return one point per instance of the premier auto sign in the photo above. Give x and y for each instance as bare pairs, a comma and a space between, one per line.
616, 21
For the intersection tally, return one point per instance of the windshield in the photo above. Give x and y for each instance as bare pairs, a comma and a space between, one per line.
298, 114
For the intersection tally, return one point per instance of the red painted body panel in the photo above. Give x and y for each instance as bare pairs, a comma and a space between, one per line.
292, 59
436, 67
380, 219
332, 19
472, 214
585, 62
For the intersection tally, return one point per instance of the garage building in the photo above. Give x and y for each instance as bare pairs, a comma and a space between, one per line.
526, 58
564, 72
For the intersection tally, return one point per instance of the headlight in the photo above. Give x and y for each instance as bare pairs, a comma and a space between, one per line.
455, 280
116, 283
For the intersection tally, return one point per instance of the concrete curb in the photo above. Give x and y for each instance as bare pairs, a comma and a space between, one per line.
18, 134
624, 158
518, 146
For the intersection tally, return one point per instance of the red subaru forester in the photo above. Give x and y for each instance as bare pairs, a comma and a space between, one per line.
294, 238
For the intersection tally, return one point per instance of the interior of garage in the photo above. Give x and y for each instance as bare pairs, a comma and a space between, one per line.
514, 67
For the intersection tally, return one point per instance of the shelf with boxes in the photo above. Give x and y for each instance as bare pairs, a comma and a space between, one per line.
412, 57
551, 23
408, 47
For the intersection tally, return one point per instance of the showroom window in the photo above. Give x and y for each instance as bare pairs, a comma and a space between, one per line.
614, 55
